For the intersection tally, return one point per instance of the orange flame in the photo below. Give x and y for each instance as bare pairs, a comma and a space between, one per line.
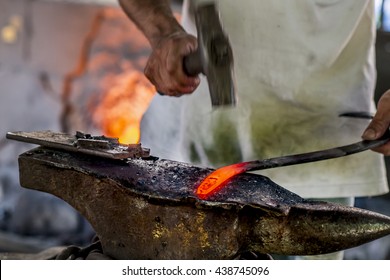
122, 107
218, 179
120, 55
122, 92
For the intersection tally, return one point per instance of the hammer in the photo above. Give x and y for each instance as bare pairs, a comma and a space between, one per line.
213, 58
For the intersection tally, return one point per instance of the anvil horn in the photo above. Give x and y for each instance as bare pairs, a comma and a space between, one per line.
314, 227
148, 209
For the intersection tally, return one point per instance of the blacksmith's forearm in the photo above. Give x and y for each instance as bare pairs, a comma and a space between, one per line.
153, 17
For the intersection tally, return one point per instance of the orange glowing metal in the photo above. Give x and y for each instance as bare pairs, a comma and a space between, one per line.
217, 179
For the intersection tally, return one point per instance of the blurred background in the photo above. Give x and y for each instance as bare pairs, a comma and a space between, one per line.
78, 65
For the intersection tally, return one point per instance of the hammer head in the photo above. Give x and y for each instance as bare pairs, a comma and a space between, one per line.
214, 57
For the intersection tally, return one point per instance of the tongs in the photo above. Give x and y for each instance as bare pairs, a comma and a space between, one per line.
217, 179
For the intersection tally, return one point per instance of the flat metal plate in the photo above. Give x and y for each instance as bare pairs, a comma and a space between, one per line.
63, 141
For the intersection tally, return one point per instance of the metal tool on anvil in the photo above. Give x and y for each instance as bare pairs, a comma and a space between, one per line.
217, 179
146, 208
101, 146
214, 56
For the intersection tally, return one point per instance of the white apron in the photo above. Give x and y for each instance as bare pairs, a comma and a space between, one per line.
298, 64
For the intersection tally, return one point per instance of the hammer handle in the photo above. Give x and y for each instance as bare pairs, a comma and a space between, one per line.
192, 64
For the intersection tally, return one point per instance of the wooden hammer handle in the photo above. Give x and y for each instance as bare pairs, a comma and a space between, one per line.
192, 64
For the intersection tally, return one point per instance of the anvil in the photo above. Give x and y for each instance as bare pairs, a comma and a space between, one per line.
147, 208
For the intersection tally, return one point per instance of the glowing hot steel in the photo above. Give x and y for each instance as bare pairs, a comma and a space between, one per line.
217, 179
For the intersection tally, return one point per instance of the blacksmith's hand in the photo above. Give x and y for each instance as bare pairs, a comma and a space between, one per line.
380, 124
165, 65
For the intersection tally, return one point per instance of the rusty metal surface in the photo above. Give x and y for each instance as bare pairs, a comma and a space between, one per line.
83, 143
147, 209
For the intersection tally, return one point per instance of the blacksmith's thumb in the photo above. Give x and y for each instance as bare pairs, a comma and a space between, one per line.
375, 129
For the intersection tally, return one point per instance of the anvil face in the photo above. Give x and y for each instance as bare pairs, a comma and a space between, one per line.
148, 209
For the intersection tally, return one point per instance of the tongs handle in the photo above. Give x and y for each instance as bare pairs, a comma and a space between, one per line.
317, 155
216, 179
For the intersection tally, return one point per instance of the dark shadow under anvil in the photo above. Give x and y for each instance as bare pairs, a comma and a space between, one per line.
147, 209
